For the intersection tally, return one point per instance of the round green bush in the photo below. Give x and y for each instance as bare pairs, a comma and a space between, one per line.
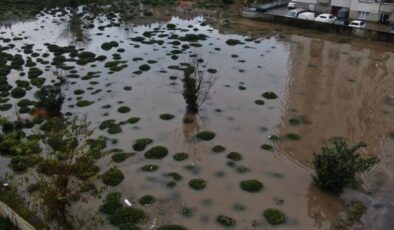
180, 156
251, 185
234, 156
112, 177
18, 92
119, 157
197, 184
172, 227
140, 144
267, 147
218, 149
259, 102
166, 116
5, 107
133, 120
127, 215
293, 137
124, 109
233, 42
84, 103
149, 168
205, 135
274, 216
225, 221
144, 67
269, 95
147, 200
157, 152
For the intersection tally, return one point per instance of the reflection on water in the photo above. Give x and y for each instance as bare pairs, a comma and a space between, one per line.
330, 89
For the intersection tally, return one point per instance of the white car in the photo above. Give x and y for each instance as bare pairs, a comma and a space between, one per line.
291, 5
357, 24
294, 13
307, 16
327, 18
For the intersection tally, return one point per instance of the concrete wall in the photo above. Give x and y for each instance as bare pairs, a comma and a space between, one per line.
341, 3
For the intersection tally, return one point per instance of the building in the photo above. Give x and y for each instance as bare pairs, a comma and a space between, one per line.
368, 10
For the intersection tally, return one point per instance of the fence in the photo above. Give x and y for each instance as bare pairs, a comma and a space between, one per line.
7, 213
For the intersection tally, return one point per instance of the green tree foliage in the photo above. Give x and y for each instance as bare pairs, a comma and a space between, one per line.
336, 167
51, 99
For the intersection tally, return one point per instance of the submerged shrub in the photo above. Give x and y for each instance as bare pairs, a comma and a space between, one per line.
18, 92
166, 116
205, 135
112, 177
50, 98
251, 186
172, 227
336, 167
140, 144
218, 149
180, 156
149, 168
233, 42
147, 200
127, 215
197, 184
124, 109
225, 221
157, 152
269, 95
274, 216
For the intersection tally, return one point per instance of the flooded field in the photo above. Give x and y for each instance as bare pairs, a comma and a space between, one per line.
269, 99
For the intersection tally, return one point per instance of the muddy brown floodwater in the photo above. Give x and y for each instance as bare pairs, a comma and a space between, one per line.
331, 88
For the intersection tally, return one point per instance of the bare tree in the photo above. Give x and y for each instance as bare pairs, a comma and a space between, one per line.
197, 83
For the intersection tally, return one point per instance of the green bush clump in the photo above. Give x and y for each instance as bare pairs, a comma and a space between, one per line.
225, 221
269, 95
234, 156
157, 152
87, 186
147, 200
84, 103
112, 177
166, 116
293, 137
79, 92
109, 45
25, 102
5, 107
127, 215
18, 92
267, 147
180, 156
119, 157
140, 144
133, 120
336, 167
149, 168
218, 149
111, 203
144, 67
233, 42
252, 185
21, 163
172, 227
197, 184
34, 73
205, 135
259, 102
274, 216
124, 109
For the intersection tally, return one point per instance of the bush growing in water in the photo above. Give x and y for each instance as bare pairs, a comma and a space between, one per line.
336, 167
50, 98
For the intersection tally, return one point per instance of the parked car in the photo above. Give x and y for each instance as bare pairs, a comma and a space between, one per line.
307, 16
291, 5
343, 16
392, 30
357, 24
327, 18
294, 13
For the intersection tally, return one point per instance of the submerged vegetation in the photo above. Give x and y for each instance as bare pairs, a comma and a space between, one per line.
336, 167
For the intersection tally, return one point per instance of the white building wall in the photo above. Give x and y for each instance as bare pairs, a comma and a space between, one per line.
341, 3
307, 1
365, 5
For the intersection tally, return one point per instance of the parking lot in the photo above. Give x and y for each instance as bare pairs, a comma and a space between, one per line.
282, 11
